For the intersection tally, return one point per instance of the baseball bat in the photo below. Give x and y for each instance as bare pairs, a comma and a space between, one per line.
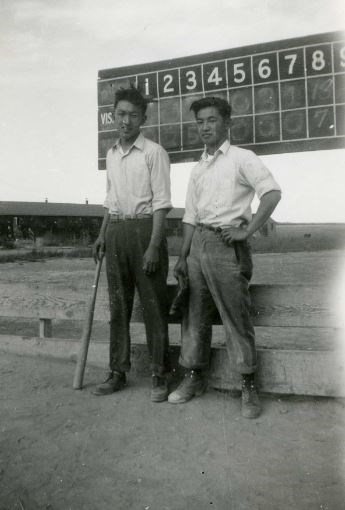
85, 340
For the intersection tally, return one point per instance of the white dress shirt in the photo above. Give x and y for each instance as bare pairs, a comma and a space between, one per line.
221, 189
138, 181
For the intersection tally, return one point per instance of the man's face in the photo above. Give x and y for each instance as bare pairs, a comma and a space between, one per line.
212, 127
128, 119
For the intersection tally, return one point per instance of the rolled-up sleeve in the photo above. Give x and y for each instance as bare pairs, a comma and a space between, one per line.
255, 174
106, 202
190, 215
160, 179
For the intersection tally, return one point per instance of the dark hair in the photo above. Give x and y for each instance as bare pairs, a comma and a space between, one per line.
132, 95
222, 106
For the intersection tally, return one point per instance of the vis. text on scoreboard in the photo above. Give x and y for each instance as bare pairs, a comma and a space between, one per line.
286, 96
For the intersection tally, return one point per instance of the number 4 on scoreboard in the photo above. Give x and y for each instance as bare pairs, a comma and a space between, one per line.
214, 76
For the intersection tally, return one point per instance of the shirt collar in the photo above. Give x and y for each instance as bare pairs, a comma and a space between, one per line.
223, 148
139, 143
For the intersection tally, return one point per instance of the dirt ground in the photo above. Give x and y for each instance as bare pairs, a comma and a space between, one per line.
63, 449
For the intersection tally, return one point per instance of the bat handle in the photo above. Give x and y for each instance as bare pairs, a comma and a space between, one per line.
85, 340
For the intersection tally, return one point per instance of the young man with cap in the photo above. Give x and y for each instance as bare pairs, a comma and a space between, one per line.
215, 254
132, 237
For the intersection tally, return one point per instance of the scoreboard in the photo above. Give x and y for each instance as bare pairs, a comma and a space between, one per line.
286, 96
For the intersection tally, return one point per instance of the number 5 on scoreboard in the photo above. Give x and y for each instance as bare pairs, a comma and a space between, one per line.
239, 72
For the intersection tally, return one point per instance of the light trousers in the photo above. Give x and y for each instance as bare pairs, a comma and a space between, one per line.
218, 276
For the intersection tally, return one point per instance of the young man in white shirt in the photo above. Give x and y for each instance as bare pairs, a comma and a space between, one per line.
133, 239
215, 255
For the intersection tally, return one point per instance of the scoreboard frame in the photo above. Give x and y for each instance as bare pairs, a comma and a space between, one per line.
286, 96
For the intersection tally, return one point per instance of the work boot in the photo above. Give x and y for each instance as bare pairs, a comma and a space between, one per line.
250, 400
114, 382
159, 389
193, 385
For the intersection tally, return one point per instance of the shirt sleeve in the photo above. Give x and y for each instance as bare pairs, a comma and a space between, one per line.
106, 202
160, 179
190, 214
256, 175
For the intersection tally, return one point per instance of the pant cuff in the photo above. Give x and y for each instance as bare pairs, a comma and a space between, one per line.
195, 366
158, 370
248, 370
117, 368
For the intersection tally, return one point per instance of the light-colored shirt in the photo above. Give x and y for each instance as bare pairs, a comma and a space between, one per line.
221, 189
138, 181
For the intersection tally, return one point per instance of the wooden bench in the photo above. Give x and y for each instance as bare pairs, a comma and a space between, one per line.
298, 330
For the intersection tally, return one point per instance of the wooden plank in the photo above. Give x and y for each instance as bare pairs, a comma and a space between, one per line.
287, 372
273, 305
45, 328
290, 338
317, 373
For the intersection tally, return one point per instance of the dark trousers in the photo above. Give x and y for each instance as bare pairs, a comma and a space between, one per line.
218, 274
126, 242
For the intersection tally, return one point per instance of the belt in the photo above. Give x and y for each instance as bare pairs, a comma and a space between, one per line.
124, 217
202, 226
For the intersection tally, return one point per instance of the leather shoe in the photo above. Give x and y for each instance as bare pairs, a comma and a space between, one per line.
114, 382
194, 384
159, 390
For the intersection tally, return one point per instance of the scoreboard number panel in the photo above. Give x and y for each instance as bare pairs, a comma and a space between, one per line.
239, 72
241, 101
294, 124
340, 112
190, 137
169, 110
320, 90
266, 98
285, 96
191, 80
321, 121
265, 68
292, 94
319, 59
339, 57
168, 83
241, 130
291, 63
214, 75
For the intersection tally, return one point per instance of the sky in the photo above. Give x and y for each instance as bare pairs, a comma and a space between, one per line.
51, 52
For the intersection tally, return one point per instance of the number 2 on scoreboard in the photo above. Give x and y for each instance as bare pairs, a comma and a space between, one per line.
168, 83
